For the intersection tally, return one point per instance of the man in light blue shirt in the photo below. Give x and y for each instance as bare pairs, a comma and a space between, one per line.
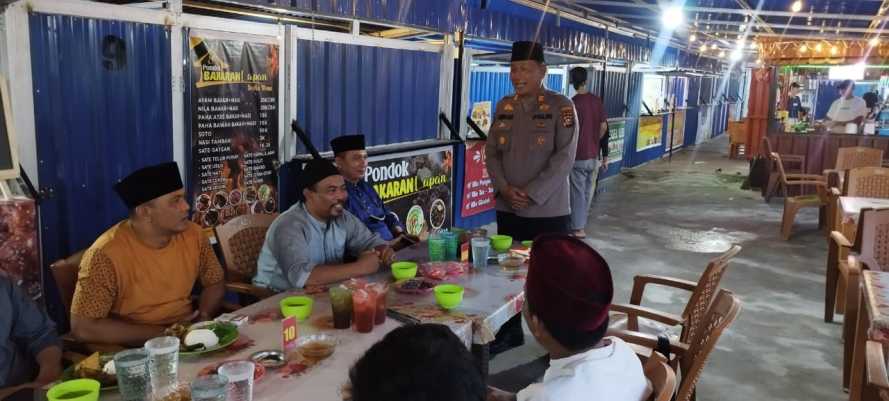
307, 244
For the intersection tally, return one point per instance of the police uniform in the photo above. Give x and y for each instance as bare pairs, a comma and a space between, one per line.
531, 146
363, 201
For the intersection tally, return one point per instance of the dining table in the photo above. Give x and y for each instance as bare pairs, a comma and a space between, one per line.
492, 296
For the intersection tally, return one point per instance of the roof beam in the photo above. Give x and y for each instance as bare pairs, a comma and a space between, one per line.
768, 13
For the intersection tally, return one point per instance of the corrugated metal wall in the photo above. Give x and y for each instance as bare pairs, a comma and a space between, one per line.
388, 95
493, 85
613, 97
98, 117
692, 114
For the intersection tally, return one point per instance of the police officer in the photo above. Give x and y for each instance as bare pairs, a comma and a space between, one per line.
530, 150
363, 201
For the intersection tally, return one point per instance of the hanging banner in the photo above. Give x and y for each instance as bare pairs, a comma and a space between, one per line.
478, 190
481, 115
616, 132
234, 126
416, 186
650, 132
678, 131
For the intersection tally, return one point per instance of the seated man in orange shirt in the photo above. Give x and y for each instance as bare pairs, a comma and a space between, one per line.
136, 279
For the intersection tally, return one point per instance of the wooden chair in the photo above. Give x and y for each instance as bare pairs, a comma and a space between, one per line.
868, 182
774, 175
691, 357
241, 240
849, 158
737, 131
691, 320
877, 378
793, 204
661, 376
870, 251
65, 272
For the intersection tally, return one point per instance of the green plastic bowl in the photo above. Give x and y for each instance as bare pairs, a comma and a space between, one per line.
527, 244
404, 270
448, 296
75, 390
501, 243
299, 306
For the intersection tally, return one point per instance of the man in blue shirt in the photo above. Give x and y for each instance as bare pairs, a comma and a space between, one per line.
26, 334
363, 201
794, 104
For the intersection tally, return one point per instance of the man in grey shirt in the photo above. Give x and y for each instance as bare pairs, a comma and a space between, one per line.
307, 244
27, 336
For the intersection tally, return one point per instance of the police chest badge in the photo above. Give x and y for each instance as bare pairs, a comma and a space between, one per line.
541, 140
502, 140
508, 108
544, 107
567, 114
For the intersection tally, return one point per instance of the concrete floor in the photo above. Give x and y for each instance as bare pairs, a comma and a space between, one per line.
670, 218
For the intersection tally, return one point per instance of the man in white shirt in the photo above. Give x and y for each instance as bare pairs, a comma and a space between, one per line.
847, 109
567, 295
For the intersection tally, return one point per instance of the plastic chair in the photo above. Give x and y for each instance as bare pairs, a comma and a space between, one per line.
241, 239
793, 204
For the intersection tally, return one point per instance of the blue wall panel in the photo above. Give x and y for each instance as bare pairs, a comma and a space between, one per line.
493, 85
98, 118
95, 125
388, 95
613, 97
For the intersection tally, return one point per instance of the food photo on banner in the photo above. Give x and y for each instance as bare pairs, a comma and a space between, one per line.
234, 130
416, 186
650, 132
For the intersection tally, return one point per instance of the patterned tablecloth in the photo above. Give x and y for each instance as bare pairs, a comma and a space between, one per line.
875, 285
491, 298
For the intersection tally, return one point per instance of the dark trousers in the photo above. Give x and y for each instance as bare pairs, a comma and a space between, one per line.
527, 228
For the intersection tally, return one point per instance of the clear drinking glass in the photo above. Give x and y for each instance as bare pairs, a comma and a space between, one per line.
481, 247
132, 374
163, 364
240, 379
209, 388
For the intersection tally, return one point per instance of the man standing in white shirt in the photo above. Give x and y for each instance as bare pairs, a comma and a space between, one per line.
847, 109
567, 295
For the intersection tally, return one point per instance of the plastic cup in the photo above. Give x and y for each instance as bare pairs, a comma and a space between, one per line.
380, 291
436, 248
364, 307
132, 374
209, 388
75, 390
341, 303
163, 364
450, 240
240, 379
481, 247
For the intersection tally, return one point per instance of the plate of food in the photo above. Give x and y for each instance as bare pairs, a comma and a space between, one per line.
437, 214
234, 197
415, 221
204, 337
316, 346
414, 286
98, 366
250, 196
203, 203
264, 192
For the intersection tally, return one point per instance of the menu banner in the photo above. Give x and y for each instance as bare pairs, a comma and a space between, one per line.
650, 132
616, 132
416, 186
234, 126
677, 131
478, 189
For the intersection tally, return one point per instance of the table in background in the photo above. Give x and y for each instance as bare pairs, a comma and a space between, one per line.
872, 324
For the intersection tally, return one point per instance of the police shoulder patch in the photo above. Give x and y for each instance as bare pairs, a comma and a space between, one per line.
567, 116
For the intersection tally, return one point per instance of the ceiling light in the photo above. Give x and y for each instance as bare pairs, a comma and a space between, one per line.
818, 48
753, 45
736, 55
803, 48
692, 38
834, 50
759, 61
742, 27
797, 6
722, 54
672, 17
874, 41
